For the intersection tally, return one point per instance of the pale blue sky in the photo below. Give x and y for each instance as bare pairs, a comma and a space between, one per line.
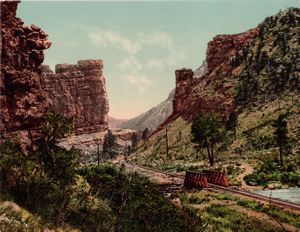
141, 43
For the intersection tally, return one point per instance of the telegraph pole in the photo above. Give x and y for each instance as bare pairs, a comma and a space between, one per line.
167, 141
98, 154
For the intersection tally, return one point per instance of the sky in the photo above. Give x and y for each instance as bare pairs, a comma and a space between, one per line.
141, 43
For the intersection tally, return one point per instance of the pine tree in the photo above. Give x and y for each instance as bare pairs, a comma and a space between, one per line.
207, 130
109, 142
134, 140
145, 134
281, 135
231, 123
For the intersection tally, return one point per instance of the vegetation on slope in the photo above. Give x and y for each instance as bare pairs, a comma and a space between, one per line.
267, 86
48, 182
225, 212
271, 64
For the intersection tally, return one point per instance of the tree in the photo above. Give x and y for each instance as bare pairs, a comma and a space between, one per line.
207, 130
145, 134
167, 141
109, 142
58, 163
44, 169
281, 135
231, 123
128, 150
134, 140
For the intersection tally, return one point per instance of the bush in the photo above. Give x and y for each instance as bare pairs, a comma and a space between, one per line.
271, 171
223, 218
47, 182
137, 203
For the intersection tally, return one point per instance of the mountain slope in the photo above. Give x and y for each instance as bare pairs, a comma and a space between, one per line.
153, 117
256, 74
115, 122
158, 114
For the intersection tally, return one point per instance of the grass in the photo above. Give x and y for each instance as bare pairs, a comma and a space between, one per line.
254, 139
270, 170
17, 219
211, 199
224, 218
273, 211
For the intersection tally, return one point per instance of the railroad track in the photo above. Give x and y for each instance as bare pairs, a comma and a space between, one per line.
273, 201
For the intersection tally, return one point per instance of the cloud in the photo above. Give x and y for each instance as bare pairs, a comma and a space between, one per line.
140, 82
107, 38
130, 63
175, 56
147, 51
111, 38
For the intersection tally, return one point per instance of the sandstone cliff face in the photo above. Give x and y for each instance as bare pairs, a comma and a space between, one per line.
213, 90
78, 91
23, 100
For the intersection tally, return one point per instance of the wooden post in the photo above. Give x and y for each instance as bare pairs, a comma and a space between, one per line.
167, 142
98, 154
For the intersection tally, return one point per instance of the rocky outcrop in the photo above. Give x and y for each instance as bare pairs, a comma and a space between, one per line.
89, 144
23, 101
211, 88
153, 117
79, 91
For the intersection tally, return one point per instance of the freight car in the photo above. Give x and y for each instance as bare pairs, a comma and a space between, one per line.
199, 180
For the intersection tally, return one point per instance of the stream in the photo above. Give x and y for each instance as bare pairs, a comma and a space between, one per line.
291, 195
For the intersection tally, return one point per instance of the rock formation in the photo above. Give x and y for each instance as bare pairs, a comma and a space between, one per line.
156, 116
23, 100
212, 87
255, 73
78, 91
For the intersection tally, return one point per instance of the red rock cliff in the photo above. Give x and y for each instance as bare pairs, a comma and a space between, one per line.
78, 91
23, 101
214, 90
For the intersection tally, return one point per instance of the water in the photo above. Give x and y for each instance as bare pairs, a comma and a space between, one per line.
291, 195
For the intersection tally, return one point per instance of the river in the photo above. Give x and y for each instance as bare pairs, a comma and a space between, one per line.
291, 195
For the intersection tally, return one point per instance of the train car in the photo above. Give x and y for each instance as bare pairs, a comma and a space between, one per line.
217, 178
195, 180
198, 180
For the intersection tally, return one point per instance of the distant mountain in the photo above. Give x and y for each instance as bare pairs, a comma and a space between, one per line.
153, 117
115, 122
201, 71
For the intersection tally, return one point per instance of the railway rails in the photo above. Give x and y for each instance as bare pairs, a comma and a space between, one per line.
178, 187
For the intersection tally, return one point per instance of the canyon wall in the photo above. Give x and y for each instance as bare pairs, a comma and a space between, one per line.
23, 101
78, 91
214, 89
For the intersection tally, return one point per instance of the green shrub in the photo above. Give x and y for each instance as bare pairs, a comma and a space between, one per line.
250, 204
271, 171
224, 218
137, 203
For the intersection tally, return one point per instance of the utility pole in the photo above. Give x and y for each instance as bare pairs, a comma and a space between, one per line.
167, 141
98, 154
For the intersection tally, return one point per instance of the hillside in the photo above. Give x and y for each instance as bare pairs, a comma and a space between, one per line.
153, 117
115, 122
256, 74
